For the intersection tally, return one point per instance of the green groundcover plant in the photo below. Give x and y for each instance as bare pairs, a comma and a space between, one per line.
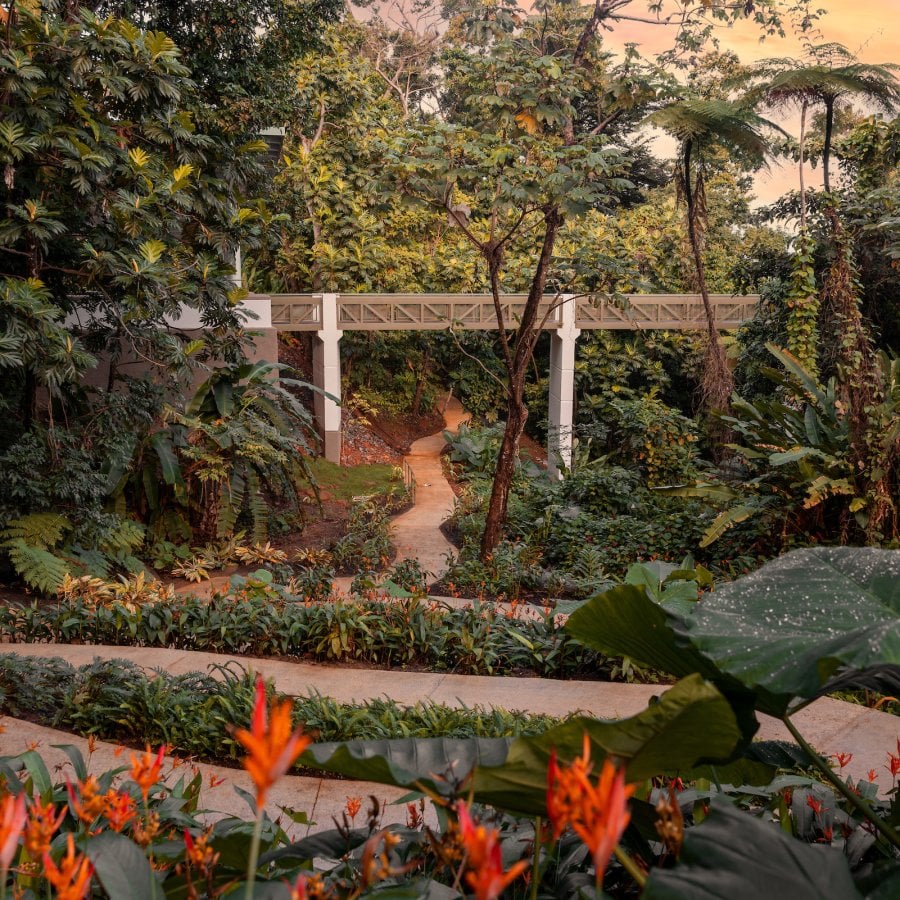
117, 700
259, 621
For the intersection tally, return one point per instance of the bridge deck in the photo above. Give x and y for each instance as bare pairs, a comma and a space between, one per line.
432, 312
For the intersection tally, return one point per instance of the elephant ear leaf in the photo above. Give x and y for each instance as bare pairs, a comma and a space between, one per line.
627, 621
714, 864
435, 764
691, 724
790, 628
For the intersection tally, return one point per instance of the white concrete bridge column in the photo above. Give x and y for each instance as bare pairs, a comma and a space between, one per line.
562, 388
327, 377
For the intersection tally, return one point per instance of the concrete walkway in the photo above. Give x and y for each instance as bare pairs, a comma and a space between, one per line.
416, 533
831, 726
322, 799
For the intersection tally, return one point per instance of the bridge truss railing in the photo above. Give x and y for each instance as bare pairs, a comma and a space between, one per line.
431, 312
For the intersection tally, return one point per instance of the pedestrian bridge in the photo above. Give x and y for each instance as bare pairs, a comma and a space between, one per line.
564, 316
431, 312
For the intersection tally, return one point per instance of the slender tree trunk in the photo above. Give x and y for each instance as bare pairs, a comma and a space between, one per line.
717, 379
826, 145
803, 107
516, 370
495, 519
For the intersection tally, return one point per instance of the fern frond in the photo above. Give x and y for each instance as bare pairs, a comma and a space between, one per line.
37, 567
123, 537
40, 530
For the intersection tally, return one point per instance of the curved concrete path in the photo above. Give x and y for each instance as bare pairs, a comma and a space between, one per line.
831, 726
417, 533
322, 799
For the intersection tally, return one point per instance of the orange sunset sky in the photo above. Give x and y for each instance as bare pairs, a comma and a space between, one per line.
868, 28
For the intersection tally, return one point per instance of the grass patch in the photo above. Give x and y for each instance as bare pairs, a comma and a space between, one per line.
346, 482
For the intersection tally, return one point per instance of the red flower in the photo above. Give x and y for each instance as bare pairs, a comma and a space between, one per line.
843, 759
42, 824
598, 813
146, 771
72, 879
272, 746
484, 860
894, 761
12, 821
814, 804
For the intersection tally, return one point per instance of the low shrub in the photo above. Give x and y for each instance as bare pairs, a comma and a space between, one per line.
192, 713
412, 633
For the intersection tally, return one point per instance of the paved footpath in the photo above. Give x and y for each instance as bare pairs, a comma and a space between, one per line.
832, 726
416, 533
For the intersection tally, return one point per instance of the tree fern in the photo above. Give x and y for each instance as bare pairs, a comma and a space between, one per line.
35, 566
40, 530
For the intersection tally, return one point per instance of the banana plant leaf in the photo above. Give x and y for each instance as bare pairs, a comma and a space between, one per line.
691, 724
733, 855
789, 627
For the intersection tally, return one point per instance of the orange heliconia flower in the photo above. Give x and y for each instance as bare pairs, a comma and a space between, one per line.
72, 879
271, 744
484, 859
12, 821
598, 813
145, 772
42, 824
352, 807
120, 809
893, 765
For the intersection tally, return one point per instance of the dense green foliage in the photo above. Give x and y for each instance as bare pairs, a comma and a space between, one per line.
412, 633
191, 714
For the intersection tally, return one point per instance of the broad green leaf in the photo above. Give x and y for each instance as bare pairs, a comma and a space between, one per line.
168, 461
122, 868
76, 758
625, 621
732, 855
691, 724
40, 776
788, 627
408, 762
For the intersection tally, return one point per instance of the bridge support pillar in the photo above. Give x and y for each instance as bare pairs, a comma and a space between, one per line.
562, 389
327, 377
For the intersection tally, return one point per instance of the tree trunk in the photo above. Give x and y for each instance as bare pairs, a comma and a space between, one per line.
826, 145
516, 370
802, 161
717, 379
516, 416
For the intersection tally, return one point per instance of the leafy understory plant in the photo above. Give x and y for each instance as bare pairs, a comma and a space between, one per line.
802, 467
43, 550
